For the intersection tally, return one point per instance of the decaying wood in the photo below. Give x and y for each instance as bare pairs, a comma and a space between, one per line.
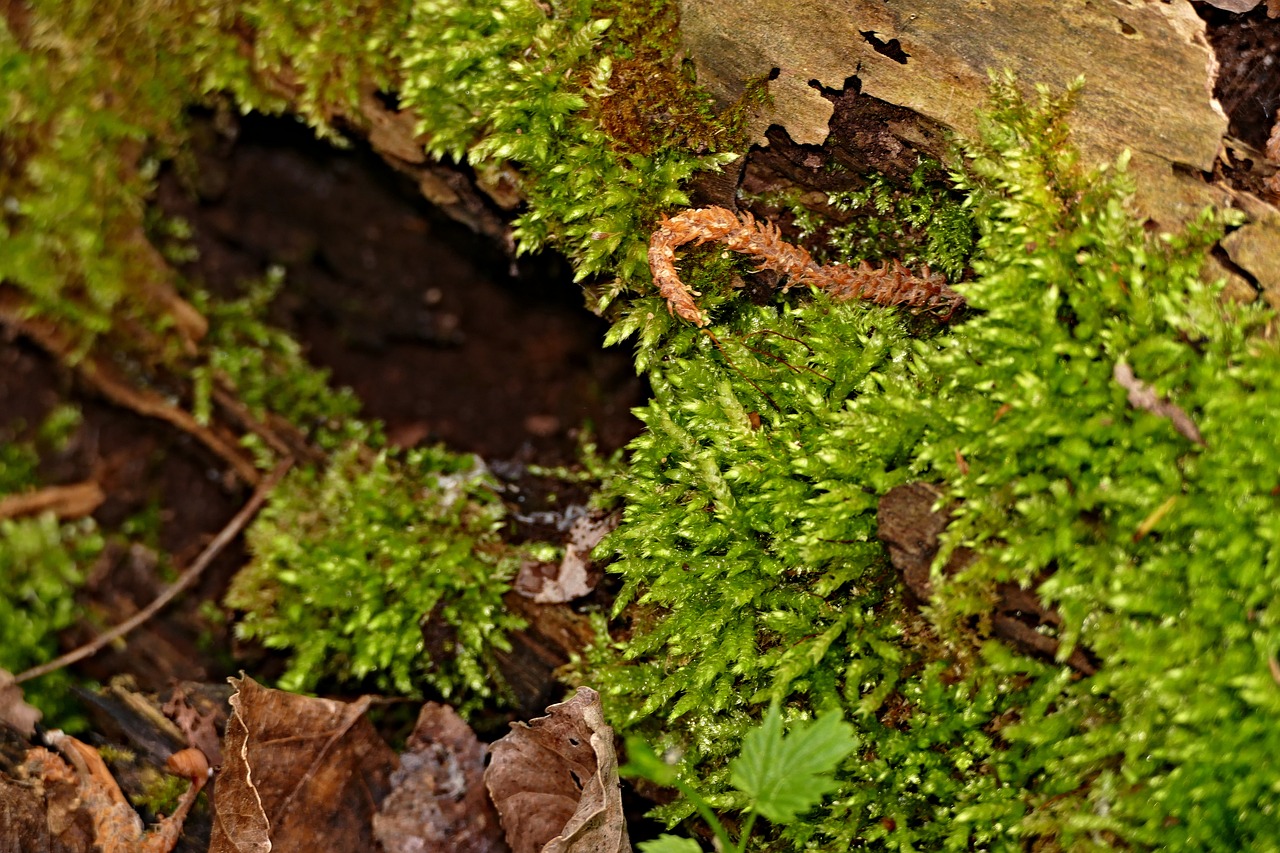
910, 524
1148, 67
892, 284
455, 191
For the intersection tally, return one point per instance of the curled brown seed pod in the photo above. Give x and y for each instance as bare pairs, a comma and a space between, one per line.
892, 284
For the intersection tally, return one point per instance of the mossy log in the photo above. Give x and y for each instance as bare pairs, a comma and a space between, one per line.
923, 66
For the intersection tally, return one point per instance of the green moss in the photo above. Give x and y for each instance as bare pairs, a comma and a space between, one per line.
387, 570
266, 368
160, 792
19, 462
514, 82
748, 556
94, 96
920, 222
42, 564
751, 570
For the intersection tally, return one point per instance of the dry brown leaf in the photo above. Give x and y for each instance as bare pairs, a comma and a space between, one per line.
239, 823
299, 774
547, 583
49, 793
117, 827
438, 802
14, 711
81, 790
1143, 396
31, 817
555, 782
199, 725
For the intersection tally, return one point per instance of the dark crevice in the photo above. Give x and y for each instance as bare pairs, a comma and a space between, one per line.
891, 48
430, 323
1247, 47
1220, 255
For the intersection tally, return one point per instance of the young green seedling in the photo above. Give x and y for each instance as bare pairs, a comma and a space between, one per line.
782, 775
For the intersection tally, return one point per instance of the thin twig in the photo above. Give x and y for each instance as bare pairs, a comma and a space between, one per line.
280, 435
1143, 396
189, 577
72, 501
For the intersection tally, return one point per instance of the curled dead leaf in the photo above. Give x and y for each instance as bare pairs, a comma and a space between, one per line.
572, 578
14, 710
189, 763
299, 773
554, 782
199, 716
116, 827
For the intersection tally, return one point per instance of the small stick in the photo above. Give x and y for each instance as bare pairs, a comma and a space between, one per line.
189, 577
74, 501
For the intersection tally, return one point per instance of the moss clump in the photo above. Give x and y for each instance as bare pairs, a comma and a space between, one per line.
518, 82
380, 568
387, 570
751, 571
42, 564
271, 377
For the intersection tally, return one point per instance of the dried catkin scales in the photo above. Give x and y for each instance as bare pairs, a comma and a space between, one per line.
892, 284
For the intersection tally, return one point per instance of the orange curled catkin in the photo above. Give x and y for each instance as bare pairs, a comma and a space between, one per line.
892, 284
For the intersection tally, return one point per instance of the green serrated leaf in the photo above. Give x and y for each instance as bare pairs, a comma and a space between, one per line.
786, 775
642, 761
665, 843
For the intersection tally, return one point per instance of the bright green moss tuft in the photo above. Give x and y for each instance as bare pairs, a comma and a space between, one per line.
751, 570
920, 222
386, 570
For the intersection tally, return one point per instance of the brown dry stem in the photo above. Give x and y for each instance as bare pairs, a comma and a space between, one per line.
891, 284
185, 581
66, 502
